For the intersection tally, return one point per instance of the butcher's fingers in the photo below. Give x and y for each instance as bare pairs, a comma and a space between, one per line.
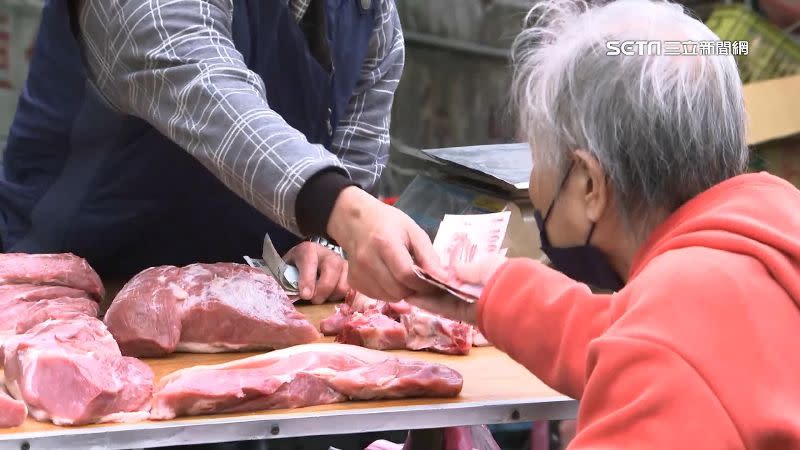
399, 263
342, 287
330, 270
306, 257
365, 283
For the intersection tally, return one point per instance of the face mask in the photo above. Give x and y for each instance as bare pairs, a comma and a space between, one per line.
585, 263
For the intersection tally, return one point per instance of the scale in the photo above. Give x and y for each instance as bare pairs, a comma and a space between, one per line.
475, 180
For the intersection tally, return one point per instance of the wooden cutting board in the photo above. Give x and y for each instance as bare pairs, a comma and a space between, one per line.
489, 376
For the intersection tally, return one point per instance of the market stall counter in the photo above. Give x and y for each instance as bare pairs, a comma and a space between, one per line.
496, 390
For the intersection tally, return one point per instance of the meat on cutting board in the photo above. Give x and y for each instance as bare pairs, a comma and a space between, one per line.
374, 330
24, 305
427, 331
71, 372
376, 324
205, 308
304, 375
12, 412
63, 269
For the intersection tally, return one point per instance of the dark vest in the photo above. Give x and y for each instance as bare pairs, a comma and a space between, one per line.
80, 177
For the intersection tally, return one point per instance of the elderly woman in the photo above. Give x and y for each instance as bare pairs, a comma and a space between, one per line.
640, 189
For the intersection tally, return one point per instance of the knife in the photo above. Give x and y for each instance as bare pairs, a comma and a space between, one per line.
285, 274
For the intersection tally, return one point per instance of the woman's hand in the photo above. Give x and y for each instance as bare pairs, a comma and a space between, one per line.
323, 273
451, 307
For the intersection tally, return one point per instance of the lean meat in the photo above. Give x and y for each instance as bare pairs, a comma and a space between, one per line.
71, 372
304, 375
381, 325
205, 308
12, 412
63, 269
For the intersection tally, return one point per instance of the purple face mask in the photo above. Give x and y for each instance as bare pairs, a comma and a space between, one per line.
585, 263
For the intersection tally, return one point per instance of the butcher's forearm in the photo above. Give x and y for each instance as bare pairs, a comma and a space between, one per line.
361, 139
194, 88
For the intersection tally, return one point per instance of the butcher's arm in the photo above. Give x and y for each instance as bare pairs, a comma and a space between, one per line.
174, 65
544, 320
642, 394
362, 137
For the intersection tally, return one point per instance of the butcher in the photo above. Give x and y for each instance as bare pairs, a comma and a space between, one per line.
173, 132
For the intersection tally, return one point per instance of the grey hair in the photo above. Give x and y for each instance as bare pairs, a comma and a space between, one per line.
664, 128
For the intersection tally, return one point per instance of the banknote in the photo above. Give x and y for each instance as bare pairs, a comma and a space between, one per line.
464, 239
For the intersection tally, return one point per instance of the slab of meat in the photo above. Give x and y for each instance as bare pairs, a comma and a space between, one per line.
427, 331
64, 269
374, 330
304, 375
24, 305
12, 412
383, 326
71, 372
205, 308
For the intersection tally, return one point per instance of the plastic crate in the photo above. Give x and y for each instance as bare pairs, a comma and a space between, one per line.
771, 53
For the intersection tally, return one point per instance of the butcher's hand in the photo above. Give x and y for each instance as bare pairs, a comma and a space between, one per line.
452, 307
323, 273
382, 245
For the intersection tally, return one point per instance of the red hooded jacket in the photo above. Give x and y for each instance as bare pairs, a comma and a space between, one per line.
700, 350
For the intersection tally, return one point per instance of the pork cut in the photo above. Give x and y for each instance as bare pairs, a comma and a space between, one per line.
304, 375
428, 331
63, 269
12, 411
380, 325
374, 330
71, 372
205, 308
24, 305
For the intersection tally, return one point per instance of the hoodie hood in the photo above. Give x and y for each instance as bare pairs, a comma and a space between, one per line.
755, 214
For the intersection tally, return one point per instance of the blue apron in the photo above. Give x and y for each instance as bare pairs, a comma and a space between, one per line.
80, 177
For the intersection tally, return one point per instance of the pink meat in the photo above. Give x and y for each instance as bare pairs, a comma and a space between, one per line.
145, 317
12, 412
32, 293
205, 308
427, 331
63, 269
304, 375
373, 330
23, 306
71, 372
383, 325
333, 324
56, 308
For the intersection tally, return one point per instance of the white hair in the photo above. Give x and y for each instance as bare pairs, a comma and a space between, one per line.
664, 128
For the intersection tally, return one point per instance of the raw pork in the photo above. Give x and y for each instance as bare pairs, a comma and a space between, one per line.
72, 373
334, 324
427, 331
381, 325
373, 330
305, 375
24, 305
205, 308
64, 269
12, 412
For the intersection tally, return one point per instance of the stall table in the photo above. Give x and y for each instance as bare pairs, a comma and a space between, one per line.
496, 390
